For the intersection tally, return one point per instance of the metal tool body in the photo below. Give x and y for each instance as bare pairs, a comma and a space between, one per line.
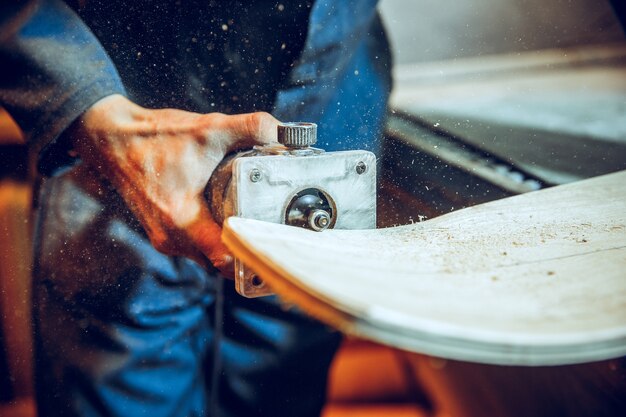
296, 184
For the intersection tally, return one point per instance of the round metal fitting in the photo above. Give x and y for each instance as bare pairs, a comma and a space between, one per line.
255, 175
257, 281
297, 134
361, 167
311, 209
319, 220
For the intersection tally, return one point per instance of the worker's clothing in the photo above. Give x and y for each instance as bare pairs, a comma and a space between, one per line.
121, 329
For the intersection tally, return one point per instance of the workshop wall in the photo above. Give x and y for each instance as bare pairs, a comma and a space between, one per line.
433, 30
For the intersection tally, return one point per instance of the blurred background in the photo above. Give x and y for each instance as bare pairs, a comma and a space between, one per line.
428, 30
498, 97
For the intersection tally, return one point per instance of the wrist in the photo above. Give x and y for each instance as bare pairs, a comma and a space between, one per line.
92, 129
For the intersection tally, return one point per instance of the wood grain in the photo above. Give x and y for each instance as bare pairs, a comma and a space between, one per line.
536, 279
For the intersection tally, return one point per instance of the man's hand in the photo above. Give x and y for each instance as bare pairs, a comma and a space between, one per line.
160, 162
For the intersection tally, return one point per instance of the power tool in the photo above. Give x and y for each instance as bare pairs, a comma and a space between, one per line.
293, 183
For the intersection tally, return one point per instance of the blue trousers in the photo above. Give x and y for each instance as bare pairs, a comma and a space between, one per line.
123, 330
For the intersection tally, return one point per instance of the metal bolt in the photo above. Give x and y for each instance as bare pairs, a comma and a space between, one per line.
255, 175
319, 220
361, 167
323, 221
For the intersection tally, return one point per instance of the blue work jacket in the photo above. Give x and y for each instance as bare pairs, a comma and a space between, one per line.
323, 61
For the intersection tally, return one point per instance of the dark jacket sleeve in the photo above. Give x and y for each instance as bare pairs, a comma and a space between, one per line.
52, 69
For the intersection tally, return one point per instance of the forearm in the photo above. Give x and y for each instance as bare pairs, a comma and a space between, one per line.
53, 70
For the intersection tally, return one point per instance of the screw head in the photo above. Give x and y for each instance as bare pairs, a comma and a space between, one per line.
255, 175
361, 167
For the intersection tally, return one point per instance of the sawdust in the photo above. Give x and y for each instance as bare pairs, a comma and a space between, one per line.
464, 247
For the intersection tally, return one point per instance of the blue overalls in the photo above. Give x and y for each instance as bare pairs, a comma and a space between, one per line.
121, 329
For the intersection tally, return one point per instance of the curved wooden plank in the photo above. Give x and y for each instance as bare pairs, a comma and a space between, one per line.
536, 279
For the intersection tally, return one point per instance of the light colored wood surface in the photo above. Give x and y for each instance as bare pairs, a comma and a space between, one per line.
536, 279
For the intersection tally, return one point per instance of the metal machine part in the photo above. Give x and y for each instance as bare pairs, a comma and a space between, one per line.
312, 209
297, 135
293, 183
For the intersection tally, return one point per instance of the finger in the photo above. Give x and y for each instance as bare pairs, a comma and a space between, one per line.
225, 264
199, 240
205, 234
249, 129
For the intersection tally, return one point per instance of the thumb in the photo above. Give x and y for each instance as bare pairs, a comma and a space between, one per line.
206, 236
250, 129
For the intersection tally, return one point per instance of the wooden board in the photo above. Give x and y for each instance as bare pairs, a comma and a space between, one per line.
535, 279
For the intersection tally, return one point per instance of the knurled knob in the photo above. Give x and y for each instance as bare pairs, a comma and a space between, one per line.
297, 134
